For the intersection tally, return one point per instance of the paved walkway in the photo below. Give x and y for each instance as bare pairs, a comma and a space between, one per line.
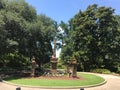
113, 83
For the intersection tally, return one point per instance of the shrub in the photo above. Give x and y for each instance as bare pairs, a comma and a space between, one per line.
60, 66
47, 65
103, 71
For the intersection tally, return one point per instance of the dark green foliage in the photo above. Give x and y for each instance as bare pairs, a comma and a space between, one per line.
47, 66
39, 39
94, 39
23, 9
67, 48
118, 21
103, 71
23, 34
2, 4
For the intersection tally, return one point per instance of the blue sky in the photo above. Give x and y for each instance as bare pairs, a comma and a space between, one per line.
65, 9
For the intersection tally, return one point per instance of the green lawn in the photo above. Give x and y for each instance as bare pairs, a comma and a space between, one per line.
89, 79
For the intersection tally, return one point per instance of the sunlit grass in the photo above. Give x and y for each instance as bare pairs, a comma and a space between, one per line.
88, 79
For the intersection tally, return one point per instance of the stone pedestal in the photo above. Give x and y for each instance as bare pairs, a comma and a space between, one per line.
53, 65
74, 64
33, 63
68, 66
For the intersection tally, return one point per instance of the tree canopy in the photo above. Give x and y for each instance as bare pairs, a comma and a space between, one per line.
95, 39
91, 36
23, 34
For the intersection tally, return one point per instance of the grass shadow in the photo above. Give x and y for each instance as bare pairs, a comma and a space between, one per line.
12, 78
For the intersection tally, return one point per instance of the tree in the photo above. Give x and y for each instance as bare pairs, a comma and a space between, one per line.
39, 39
23, 33
118, 20
15, 20
2, 4
67, 47
95, 38
23, 9
12, 31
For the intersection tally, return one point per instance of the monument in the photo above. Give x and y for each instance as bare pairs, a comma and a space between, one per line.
33, 64
54, 61
68, 66
74, 65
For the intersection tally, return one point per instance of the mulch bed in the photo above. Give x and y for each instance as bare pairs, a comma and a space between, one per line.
57, 78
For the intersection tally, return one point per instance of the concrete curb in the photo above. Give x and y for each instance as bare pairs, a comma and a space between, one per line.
66, 87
